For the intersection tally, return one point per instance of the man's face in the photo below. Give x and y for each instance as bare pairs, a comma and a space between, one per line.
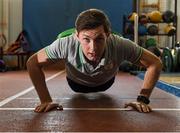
93, 42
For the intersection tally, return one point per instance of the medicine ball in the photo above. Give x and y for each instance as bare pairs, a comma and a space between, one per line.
170, 30
155, 16
142, 30
168, 16
131, 17
151, 42
152, 30
143, 18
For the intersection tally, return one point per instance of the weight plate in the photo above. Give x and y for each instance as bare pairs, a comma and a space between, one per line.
178, 59
167, 60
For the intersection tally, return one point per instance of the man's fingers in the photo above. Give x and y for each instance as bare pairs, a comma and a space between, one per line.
144, 108
36, 109
40, 108
129, 104
51, 107
126, 105
138, 107
45, 107
134, 106
147, 109
141, 107
150, 109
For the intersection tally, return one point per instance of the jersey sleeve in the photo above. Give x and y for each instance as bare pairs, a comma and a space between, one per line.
58, 49
128, 50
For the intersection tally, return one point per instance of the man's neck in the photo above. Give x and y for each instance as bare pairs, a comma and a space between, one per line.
95, 63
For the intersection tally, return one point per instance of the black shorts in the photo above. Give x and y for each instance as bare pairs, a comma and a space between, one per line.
85, 89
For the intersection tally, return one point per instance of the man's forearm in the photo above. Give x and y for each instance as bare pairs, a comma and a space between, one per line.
38, 79
150, 79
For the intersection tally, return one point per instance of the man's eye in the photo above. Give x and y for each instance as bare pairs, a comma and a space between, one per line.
99, 39
86, 39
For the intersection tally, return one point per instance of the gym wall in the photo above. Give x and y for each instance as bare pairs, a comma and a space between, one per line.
45, 19
11, 16
15, 19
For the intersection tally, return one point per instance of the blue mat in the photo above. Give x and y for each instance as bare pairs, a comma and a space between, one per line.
164, 86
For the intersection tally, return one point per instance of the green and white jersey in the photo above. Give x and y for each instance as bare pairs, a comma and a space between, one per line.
79, 70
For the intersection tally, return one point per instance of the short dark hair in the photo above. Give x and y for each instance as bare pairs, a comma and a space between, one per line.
92, 18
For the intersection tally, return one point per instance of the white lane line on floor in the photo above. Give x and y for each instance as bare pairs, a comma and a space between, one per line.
96, 109
5, 101
36, 98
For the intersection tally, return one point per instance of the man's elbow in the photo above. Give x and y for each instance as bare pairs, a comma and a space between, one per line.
158, 65
31, 62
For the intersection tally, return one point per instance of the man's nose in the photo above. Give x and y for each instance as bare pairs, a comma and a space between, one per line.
93, 46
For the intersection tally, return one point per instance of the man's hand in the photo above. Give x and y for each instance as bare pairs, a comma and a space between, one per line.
139, 106
45, 107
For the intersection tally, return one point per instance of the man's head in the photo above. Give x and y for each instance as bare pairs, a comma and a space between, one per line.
92, 30
91, 19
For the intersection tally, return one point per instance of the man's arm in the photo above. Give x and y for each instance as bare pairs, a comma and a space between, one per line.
154, 66
34, 66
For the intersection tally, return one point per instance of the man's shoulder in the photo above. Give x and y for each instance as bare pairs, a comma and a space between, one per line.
69, 39
114, 40
119, 40
115, 37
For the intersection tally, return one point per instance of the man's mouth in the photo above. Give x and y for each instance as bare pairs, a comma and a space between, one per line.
93, 56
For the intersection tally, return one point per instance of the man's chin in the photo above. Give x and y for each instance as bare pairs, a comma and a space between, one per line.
94, 59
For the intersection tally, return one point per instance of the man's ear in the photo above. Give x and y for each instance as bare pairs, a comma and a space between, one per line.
107, 34
76, 35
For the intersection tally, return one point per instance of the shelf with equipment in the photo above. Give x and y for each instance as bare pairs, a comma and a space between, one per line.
154, 26
163, 14
149, 28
